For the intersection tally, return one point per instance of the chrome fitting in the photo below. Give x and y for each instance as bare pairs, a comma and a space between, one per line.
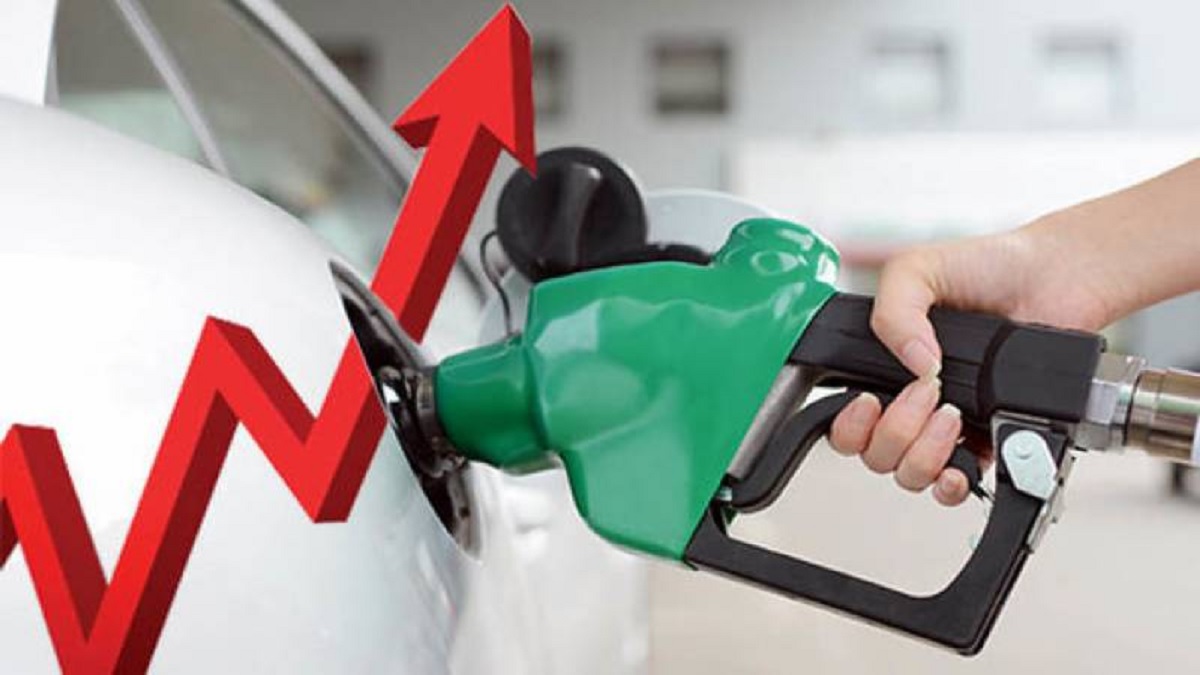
1109, 401
1164, 414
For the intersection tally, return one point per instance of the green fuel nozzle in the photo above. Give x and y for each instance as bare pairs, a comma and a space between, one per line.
643, 379
676, 396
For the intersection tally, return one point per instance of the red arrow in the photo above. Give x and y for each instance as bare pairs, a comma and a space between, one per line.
482, 102
478, 105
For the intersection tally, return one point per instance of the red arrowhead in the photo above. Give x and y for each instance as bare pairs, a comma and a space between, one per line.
487, 85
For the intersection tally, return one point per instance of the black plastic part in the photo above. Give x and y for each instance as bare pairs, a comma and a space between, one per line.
989, 363
655, 252
968, 463
959, 617
582, 209
790, 445
397, 365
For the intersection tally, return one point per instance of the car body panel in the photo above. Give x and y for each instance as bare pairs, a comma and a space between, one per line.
112, 256
26, 36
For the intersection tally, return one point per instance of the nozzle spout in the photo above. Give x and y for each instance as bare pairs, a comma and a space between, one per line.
484, 401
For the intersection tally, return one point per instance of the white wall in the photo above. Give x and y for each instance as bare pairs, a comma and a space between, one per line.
796, 65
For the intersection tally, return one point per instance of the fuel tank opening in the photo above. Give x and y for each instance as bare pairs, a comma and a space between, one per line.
403, 379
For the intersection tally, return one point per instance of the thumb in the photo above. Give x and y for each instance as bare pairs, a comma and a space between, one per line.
901, 314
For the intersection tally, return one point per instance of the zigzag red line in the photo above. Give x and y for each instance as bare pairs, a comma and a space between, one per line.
98, 626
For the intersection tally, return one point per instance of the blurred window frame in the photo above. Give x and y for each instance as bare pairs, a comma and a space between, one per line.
902, 59
692, 76
551, 86
164, 63
1088, 53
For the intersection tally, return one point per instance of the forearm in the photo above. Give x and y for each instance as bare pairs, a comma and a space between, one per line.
1140, 245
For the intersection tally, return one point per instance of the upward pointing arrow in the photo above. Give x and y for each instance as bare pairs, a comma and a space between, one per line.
98, 626
487, 85
480, 103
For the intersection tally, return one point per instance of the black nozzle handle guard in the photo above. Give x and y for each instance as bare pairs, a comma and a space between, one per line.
1039, 376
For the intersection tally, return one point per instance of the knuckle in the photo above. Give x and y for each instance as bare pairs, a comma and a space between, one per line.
877, 463
883, 321
924, 465
841, 442
904, 265
907, 480
896, 264
891, 439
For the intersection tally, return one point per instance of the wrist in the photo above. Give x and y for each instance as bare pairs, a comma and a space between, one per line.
1073, 264
1137, 246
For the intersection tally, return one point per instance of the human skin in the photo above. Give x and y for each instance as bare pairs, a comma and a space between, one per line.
1082, 267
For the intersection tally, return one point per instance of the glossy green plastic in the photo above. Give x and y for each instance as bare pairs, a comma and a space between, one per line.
642, 378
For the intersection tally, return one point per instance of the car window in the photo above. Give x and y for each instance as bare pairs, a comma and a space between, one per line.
102, 73
263, 120
279, 136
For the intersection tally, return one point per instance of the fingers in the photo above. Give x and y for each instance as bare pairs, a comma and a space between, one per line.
900, 424
925, 459
910, 439
851, 430
907, 290
951, 488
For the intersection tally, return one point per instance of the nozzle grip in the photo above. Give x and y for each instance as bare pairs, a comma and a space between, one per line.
988, 363
959, 617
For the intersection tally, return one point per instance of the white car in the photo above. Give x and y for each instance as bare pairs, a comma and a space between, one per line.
166, 161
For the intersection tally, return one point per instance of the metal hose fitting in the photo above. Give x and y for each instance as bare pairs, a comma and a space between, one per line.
1164, 413
1104, 424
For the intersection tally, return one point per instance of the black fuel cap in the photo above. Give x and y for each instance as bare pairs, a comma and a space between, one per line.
583, 210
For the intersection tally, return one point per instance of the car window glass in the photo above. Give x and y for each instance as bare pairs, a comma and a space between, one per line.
103, 74
280, 136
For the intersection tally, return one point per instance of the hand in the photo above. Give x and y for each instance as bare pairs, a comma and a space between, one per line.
1026, 275
1082, 267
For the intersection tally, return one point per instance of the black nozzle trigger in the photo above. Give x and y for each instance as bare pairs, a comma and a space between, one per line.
789, 446
968, 463
960, 617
